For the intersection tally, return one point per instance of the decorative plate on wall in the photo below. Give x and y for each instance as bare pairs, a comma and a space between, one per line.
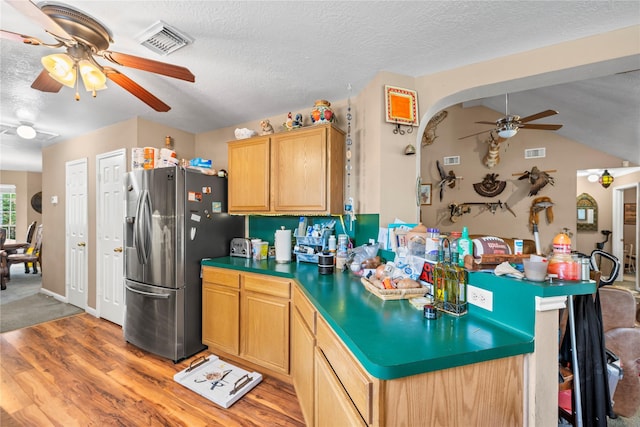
36, 202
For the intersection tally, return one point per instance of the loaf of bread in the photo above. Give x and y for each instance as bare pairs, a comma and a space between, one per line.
407, 284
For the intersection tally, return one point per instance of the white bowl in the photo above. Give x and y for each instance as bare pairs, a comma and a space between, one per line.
535, 271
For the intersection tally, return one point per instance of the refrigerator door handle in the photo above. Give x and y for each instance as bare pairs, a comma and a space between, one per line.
142, 227
148, 294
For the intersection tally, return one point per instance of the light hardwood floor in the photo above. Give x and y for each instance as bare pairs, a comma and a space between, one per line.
79, 371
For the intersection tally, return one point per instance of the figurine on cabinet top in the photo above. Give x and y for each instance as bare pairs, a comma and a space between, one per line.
267, 129
292, 123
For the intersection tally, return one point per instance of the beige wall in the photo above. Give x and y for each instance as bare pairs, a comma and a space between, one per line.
27, 184
131, 133
563, 157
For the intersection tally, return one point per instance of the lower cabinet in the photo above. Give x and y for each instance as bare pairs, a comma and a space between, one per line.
333, 405
221, 309
247, 316
303, 343
264, 321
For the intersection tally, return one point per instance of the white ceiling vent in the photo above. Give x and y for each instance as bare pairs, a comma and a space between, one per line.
451, 160
535, 153
163, 39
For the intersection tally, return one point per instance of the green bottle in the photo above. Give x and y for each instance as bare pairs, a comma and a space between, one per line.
465, 246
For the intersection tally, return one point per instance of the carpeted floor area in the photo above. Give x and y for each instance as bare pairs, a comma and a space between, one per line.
22, 304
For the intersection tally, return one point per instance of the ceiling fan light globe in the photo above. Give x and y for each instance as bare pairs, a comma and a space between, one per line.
61, 68
92, 77
26, 132
507, 132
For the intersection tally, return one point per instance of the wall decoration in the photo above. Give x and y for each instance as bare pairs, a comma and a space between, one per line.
425, 194
490, 185
429, 135
538, 205
630, 214
446, 179
36, 202
537, 178
402, 108
586, 213
492, 158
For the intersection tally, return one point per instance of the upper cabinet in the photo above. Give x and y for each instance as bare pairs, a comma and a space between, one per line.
300, 171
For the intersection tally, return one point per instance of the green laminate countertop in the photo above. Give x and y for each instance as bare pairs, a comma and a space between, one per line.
392, 339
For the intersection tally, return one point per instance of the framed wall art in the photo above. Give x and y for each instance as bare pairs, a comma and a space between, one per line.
425, 194
629, 213
401, 105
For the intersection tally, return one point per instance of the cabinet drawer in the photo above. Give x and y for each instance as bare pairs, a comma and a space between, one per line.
221, 276
354, 379
267, 285
304, 307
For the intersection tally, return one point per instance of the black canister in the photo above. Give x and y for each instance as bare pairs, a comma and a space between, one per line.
325, 263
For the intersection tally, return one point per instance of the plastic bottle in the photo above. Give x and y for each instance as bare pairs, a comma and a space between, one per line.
453, 238
432, 244
465, 246
341, 252
561, 262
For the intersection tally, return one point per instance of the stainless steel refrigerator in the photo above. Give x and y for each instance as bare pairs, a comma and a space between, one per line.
175, 217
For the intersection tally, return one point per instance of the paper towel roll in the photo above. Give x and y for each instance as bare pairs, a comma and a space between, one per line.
283, 245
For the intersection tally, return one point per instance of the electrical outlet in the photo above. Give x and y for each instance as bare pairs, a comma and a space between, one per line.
480, 297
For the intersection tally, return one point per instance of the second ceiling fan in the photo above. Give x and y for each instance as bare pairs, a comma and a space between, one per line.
510, 124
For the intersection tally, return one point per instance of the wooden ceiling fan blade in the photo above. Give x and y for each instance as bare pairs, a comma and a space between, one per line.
535, 126
45, 83
486, 123
136, 90
144, 64
540, 115
33, 12
477, 133
22, 38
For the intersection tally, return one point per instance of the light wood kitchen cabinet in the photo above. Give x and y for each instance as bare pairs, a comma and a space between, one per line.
333, 406
264, 321
303, 342
301, 171
221, 309
357, 384
249, 170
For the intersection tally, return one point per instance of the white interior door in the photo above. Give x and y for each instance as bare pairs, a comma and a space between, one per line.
76, 270
111, 168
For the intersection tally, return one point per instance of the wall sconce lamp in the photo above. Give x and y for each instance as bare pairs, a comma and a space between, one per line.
606, 179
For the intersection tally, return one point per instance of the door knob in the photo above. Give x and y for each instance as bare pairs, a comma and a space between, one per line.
82, 244
117, 249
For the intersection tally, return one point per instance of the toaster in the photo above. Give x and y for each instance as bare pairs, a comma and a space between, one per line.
241, 247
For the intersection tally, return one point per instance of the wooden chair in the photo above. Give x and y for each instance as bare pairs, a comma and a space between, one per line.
34, 256
4, 270
629, 259
20, 250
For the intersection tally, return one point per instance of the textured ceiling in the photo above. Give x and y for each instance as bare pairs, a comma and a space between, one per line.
256, 59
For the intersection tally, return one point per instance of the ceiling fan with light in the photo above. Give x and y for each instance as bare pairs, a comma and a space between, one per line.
85, 38
509, 125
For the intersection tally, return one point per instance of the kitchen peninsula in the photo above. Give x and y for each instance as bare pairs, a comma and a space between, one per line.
360, 360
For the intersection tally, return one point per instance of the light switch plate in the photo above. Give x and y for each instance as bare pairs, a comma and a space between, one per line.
480, 297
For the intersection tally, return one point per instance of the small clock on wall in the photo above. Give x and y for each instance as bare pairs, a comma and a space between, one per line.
36, 202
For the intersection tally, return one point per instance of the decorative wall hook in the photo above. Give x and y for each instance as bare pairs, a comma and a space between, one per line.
397, 129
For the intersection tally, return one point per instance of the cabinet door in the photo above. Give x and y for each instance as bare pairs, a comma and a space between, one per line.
333, 405
249, 175
264, 329
302, 370
299, 171
221, 317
